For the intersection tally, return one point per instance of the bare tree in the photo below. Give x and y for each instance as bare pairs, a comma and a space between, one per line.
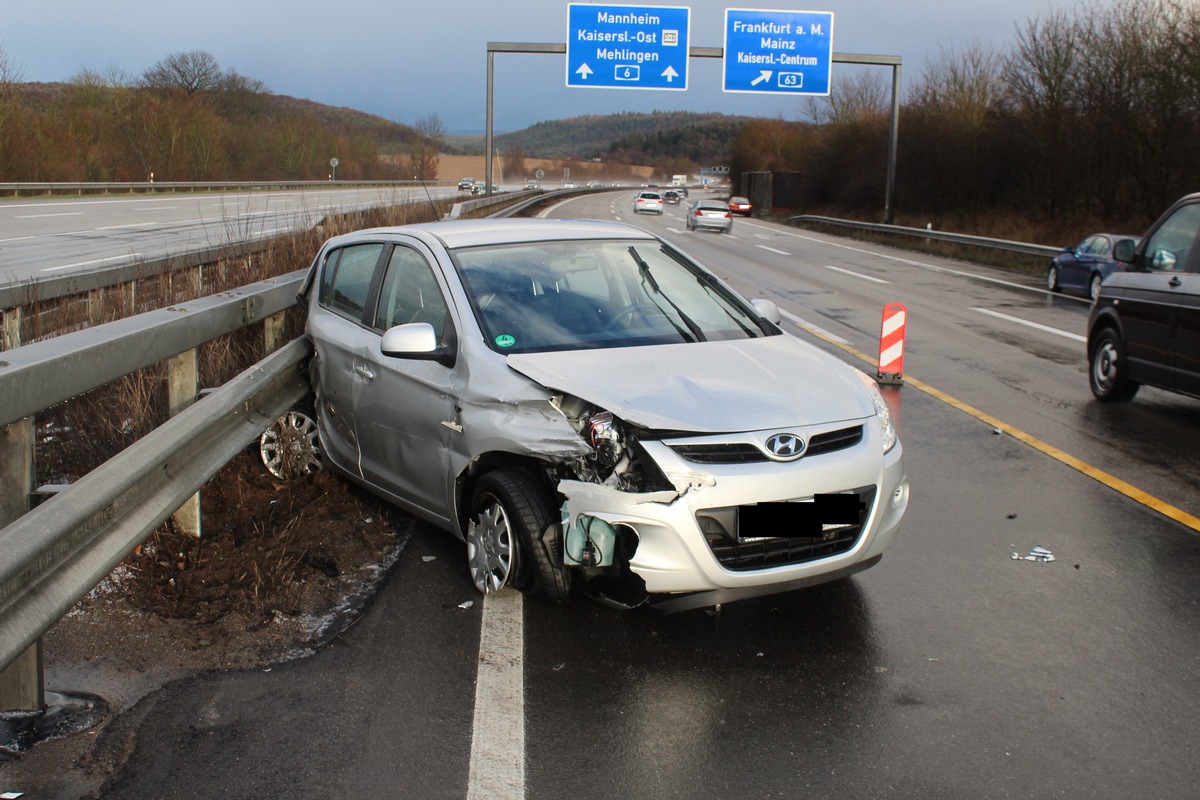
860, 97
9, 78
190, 72
423, 152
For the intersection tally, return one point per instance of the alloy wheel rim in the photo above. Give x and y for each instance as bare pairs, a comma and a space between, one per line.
490, 548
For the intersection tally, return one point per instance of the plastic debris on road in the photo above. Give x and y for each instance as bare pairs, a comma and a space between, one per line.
1036, 554
466, 604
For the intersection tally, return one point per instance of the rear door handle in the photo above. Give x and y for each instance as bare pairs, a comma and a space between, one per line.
1174, 281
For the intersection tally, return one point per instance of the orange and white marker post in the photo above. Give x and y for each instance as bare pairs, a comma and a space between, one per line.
891, 344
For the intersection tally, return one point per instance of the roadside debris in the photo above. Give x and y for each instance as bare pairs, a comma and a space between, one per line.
466, 604
1036, 554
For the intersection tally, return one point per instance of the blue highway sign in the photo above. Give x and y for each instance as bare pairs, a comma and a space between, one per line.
628, 47
774, 52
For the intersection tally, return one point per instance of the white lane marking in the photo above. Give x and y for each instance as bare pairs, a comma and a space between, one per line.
856, 274
771, 249
803, 323
1067, 334
911, 263
157, 208
131, 256
43, 216
498, 735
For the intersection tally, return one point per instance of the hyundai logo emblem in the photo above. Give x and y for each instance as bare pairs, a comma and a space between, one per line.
785, 446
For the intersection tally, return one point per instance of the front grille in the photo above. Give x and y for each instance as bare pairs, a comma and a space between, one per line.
747, 453
834, 440
719, 453
749, 552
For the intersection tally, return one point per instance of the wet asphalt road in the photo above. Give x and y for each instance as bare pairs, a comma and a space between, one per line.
949, 670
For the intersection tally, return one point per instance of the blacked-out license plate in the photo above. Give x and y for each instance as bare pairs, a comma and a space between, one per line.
825, 514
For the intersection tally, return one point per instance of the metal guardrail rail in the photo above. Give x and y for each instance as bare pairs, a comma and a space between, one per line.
28, 189
937, 236
56, 553
46, 373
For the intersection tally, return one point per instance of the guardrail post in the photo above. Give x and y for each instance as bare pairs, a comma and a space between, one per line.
10, 329
21, 683
183, 384
274, 330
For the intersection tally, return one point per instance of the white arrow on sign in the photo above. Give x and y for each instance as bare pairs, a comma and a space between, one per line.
763, 75
584, 71
670, 74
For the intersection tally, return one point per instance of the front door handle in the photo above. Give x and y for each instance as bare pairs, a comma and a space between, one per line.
1174, 281
365, 371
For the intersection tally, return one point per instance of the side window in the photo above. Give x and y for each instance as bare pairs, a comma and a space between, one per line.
1168, 248
346, 278
410, 293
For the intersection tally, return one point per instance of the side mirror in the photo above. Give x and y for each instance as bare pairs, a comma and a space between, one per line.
417, 341
768, 310
1124, 251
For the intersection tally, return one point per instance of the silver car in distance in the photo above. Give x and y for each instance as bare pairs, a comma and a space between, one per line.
584, 405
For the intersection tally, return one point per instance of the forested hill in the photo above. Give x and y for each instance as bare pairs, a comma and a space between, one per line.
627, 137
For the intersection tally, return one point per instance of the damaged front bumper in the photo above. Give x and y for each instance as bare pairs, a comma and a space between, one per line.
690, 547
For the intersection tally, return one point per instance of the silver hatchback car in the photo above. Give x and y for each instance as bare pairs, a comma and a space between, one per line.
583, 404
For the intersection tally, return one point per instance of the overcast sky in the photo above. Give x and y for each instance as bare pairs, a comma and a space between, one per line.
408, 59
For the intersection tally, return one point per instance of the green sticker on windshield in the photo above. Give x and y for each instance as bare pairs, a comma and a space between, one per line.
504, 340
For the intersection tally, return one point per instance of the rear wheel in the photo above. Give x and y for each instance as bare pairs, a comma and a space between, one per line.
514, 536
1107, 374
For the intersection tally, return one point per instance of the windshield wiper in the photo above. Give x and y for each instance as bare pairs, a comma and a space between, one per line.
648, 278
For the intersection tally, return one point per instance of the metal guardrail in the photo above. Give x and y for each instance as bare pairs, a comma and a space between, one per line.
143, 187
56, 553
938, 236
46, 373
54, 287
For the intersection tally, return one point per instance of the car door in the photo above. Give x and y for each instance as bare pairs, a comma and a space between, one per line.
1186, 351
1076, 268
1152, 300
405, 409
341, 344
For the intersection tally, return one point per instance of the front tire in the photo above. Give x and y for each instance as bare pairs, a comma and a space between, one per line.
1107, 374
1094, 286
1052, 279
514, 536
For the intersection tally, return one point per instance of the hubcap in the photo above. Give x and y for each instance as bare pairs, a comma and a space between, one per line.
289, 447
490, 548
1104, 366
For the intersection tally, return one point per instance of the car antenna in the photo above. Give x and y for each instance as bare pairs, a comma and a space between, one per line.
432, 206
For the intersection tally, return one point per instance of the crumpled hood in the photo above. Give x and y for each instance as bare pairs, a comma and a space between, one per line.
708, 387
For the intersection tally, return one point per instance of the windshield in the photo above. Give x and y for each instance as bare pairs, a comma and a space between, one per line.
574, 295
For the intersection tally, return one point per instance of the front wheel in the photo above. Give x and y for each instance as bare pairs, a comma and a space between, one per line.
1107, 374
1052, 279
1094, 286
514, 536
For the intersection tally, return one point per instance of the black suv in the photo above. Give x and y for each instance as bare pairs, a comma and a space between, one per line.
1145, 326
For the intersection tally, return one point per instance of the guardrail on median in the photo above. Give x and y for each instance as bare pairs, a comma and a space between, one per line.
142, 187
937, 236
55, 554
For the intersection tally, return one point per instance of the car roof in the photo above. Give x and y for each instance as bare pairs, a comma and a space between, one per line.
469, 233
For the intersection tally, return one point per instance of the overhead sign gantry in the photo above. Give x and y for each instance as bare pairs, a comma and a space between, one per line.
627, 47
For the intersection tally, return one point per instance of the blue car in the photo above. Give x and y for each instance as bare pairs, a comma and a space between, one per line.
1086, 265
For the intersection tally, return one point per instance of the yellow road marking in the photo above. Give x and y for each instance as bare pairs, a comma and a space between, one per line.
1095, 473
